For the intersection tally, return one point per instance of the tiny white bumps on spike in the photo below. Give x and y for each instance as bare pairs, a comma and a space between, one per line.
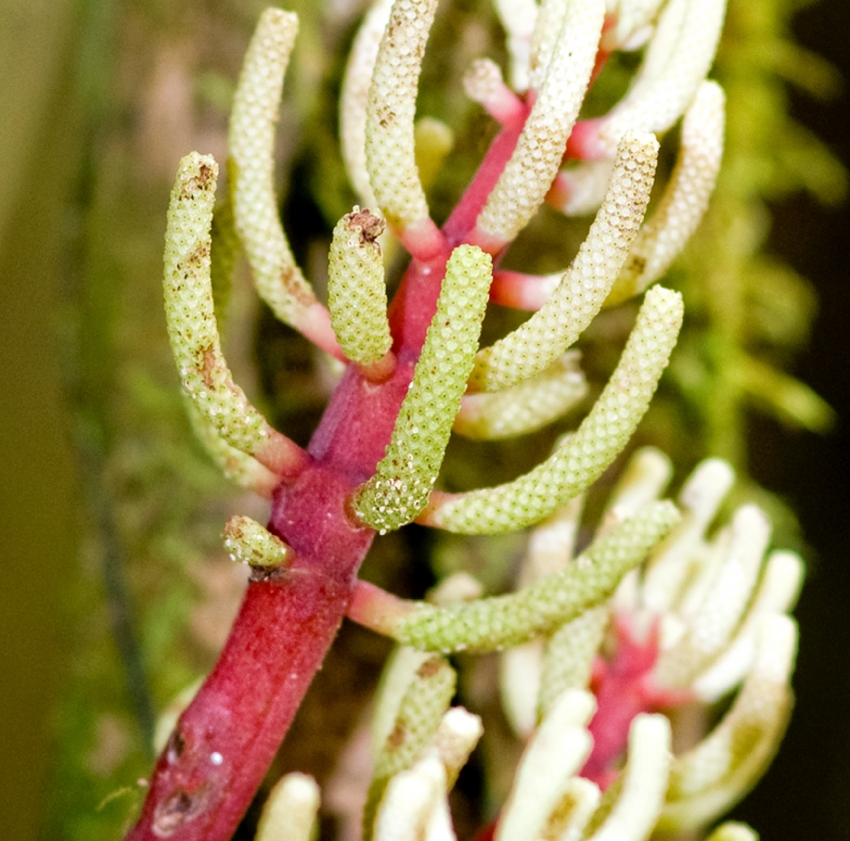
250, 543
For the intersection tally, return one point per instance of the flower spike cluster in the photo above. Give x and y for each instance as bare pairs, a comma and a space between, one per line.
596, 644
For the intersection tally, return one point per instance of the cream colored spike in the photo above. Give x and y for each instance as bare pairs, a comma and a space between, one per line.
529, 173
533, 346
685, 198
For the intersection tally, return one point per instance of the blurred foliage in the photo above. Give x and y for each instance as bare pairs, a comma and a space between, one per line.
151, 80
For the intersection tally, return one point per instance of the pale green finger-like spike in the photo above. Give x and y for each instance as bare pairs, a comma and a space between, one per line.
533, 346
556, 751
569, 653
434, 141
721, 601
777, 593
251, 169
733, 831
355, 96
289, 813
357, 292
390, 147
192, 330
713, 776
677, 60
646, 476
519, 685
404, 478
685, 198
525, 407
247, 542
643, 783
398, 674
529, 173
238, 467
582, 457
226, 249
501, 621
700, 498
548, 23
418, 719
415, 806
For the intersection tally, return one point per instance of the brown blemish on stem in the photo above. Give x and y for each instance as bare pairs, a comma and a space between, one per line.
429, 668
177, 809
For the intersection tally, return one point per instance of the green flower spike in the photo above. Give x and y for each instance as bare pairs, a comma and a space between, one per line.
222, 409
581, 458
685, 198
278, 279
533, 347
390, 135
415, 724
721, 769
525, 407
357, 293
249, 543
565, 64
494, 623
290, 810
404, 478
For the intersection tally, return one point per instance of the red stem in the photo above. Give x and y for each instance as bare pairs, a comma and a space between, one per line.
227, 737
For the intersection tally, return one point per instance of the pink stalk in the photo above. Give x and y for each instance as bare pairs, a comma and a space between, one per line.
225, 740
227, 737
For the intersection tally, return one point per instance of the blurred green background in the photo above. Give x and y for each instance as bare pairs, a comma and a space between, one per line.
69, 80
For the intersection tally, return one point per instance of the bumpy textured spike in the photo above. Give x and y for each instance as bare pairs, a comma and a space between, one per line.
357, 292
248, 542
525, 407
206, 379
251, 169
568, 658
290, 810
677, 61
582, 458
722, 602
390, 155
711, 777
532, 347
238, 467
556, 752
416, 724
527, 176
699, 499
483, 84
500, 621
355, 96
641, 789
405, 476
776, 594
544, 39
685, 198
